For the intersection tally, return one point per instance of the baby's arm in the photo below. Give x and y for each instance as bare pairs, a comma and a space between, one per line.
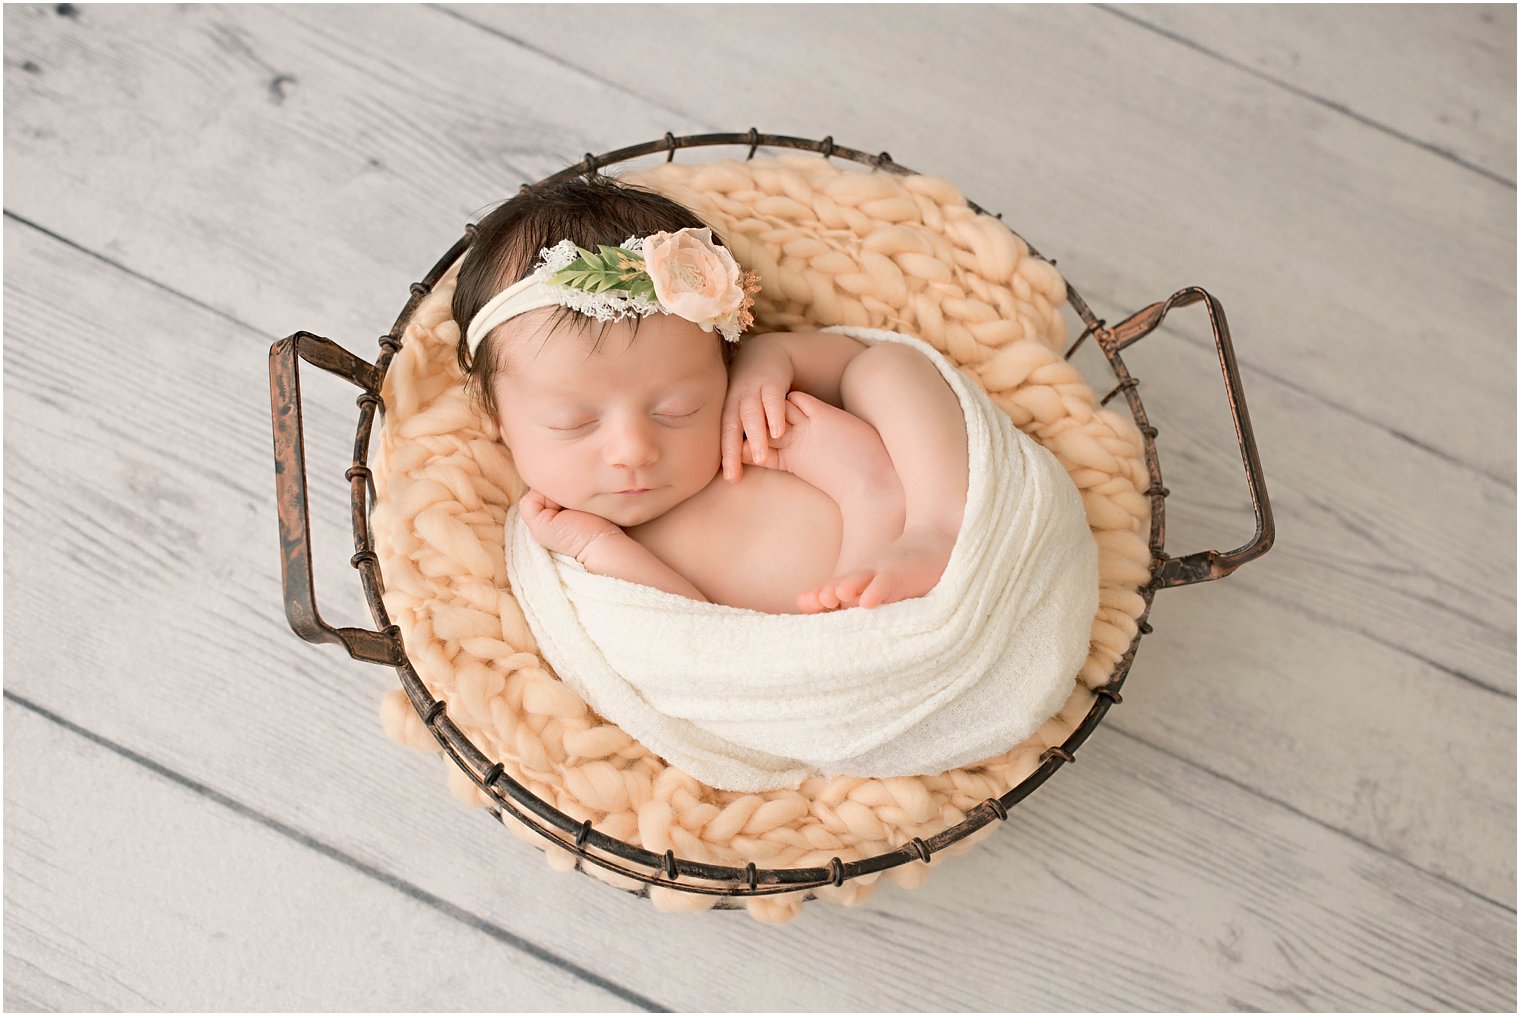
619, 555
818, 360
599, 545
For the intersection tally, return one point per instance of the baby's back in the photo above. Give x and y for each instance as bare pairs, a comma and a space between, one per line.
756, 543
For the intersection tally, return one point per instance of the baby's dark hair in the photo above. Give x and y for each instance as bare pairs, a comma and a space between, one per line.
585, 210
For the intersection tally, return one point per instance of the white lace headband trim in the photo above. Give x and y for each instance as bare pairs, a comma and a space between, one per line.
684, 273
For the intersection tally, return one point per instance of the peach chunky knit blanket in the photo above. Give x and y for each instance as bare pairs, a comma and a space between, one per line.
833, 245
745, 700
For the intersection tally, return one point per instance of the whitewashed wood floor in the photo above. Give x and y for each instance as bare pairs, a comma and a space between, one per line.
1307, 799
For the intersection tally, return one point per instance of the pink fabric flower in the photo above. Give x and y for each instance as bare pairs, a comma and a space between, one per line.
693, 277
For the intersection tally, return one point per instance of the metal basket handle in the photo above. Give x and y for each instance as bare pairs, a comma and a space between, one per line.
290, 489
1207, 565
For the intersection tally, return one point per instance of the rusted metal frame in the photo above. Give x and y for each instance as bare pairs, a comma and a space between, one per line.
582, 837
383, 645
785, 880
593, 163
290, 489
1206, 565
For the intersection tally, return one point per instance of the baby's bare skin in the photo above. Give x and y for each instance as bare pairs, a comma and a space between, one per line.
757, 543
754, 543
861, 508
776, 546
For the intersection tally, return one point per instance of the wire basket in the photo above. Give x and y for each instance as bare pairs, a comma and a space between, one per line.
647, 869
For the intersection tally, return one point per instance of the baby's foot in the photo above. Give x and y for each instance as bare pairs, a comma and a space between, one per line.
837, 452
908, 567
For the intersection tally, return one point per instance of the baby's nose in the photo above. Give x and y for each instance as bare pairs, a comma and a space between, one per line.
632, 445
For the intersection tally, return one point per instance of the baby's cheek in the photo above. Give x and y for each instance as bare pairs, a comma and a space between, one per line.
712, 440
535, 471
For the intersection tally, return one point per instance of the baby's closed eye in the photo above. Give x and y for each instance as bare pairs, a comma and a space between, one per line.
671, 414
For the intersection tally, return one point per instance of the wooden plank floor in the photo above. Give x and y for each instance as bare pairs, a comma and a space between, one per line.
1307, 799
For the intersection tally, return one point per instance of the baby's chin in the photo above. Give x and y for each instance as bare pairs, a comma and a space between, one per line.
628, 511
607, 507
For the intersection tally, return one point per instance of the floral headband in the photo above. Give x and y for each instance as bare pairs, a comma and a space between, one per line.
682, 273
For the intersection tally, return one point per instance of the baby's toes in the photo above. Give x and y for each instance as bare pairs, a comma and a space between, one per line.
850, 587
817, 601
828, 596
881, 589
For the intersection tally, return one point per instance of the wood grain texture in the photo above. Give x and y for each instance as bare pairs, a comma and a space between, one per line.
1273, 913
176, 902
1424, 72
1307, 798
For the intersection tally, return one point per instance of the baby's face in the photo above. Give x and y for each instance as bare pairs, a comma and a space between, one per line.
644, 416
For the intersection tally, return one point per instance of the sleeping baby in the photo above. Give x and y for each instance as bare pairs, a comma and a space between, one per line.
792, 472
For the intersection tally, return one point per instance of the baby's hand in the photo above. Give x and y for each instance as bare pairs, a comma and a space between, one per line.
564, 530
754, 412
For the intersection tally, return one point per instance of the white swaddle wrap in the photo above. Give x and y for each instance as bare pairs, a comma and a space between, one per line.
745, 700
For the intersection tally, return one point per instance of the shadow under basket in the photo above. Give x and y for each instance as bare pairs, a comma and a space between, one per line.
629, 865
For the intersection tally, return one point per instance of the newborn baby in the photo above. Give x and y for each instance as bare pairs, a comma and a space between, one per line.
792, 472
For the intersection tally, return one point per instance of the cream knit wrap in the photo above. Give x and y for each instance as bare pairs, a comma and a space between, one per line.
832, 245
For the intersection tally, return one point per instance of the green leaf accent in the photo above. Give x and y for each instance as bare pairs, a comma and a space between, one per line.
613, 269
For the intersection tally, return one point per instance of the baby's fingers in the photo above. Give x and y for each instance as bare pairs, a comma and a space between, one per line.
753, 415
534, 504
729, 442
774, 400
